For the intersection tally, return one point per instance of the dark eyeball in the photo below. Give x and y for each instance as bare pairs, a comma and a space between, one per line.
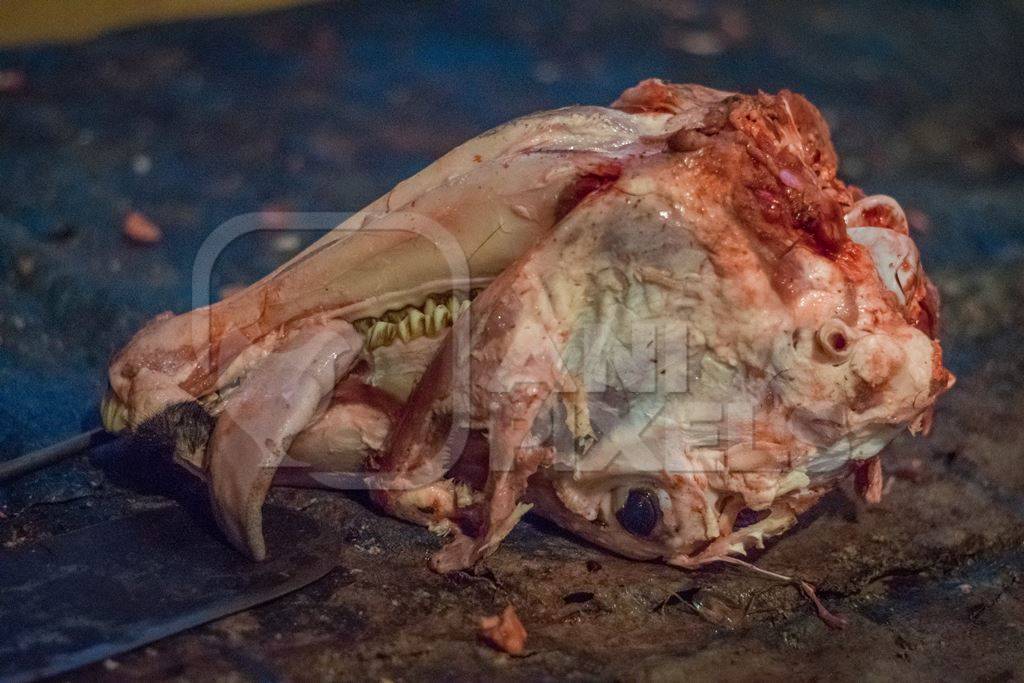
640, 512
747, 517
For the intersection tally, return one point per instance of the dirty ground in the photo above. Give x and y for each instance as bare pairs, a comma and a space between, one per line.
322, 108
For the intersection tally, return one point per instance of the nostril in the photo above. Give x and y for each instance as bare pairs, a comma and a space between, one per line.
837, 340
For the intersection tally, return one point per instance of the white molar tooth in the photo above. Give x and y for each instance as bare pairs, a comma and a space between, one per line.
405, 331
432, 314
439, 318
417, 323
381, 334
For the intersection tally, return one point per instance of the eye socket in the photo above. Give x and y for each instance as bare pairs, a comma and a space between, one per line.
640, 512
747, 517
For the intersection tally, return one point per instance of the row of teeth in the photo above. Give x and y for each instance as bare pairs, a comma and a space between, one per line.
411, 322
406, 324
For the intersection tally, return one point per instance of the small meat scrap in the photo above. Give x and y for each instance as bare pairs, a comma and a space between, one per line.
505, 632
12, 80
869, 481
140, 229
276, 216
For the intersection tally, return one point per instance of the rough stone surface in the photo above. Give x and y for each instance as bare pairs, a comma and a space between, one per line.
323, 108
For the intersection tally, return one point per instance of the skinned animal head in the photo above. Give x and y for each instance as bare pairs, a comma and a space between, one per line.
669, 328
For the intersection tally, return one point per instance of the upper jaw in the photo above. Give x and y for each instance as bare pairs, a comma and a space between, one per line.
399, 249
483, 205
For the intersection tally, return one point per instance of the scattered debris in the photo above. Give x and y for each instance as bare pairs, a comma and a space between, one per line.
62, 232
710, 606
869, 480
735, 24
681, 596
1017, 146
577, 597
140, 230
25, 268
12, 80
918, 221
276, 216
831, 620
142, 164
280, 216
547, 73
700, 43
286, 243
890, 482
505, 632
911, 471
719, 610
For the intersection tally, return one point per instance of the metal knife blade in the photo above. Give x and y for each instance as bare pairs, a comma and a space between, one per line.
83, 596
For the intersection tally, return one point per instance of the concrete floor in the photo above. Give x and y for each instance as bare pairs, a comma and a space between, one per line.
323, 108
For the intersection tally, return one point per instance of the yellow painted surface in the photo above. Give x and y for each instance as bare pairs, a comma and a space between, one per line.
27, 22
